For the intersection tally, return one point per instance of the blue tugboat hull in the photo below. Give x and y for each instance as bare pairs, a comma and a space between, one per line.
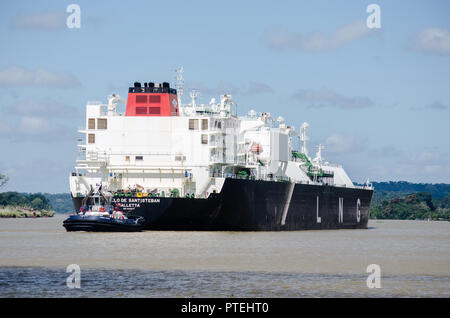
101, 224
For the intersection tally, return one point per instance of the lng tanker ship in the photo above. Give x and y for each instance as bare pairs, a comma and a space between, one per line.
201, 167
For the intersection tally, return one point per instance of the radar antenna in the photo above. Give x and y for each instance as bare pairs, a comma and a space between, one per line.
194, 94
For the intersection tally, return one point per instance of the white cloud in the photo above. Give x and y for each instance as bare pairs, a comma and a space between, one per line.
221, 88
229, 88
428, 158
5, 128
258, 88
37, 129
437, 106
342, 144
15, 76
47, 108
34, 125
423, 166
325, 97
46, 21
433, 40
317, 41
386, 151
434, 168
35, 121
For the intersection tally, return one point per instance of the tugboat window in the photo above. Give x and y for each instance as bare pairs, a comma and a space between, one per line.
139, 158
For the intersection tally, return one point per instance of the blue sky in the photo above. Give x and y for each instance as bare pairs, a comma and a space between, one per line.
377, 99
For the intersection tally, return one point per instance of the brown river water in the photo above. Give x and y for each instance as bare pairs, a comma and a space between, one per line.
413, 256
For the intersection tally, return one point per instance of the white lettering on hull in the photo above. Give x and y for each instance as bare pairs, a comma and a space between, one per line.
135, 200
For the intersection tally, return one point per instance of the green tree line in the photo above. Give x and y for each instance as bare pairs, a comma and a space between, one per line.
420, 205
35, 201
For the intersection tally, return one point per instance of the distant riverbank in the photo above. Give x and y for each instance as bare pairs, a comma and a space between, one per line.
22, 212
24, 205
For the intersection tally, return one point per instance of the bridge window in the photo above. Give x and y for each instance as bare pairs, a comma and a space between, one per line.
91, 138
139, 158
204, 139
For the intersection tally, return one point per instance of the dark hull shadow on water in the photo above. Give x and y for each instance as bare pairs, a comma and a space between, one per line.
42, 282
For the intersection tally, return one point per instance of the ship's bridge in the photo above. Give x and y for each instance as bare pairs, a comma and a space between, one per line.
151, 100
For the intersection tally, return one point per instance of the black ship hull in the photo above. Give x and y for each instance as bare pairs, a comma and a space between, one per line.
255, 205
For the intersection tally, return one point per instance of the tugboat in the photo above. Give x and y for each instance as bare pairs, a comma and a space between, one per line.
97, 214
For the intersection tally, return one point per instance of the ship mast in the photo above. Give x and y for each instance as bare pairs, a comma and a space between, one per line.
303, 137
318, 159
179, 84
194, 94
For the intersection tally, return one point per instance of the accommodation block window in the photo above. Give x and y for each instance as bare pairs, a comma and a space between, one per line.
193, 124
204, 124
91, 123
102, 123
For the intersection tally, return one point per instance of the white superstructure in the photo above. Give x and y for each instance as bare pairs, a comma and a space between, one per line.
190, 151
